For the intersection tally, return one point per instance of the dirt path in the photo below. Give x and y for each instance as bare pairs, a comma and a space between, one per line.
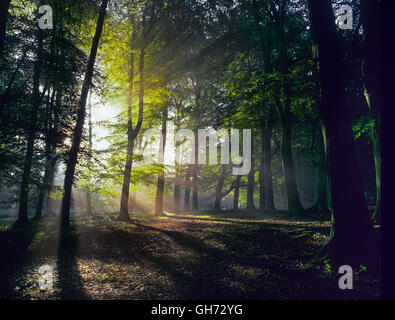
183, 258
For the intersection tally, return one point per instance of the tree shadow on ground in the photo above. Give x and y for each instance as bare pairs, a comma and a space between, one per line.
70, 282
14, 247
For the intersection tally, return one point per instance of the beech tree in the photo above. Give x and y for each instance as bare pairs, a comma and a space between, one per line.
353, 240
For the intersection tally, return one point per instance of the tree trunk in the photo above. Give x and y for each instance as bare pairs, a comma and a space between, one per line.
161, 177
177, 193
51, 179
195, 175
370, 14
322, 204
218, 189
266, 197
187, 191
4, 6
251, 178
353, 240
132, 133
72, 161
177, 176
24, 193
88, 212
237, 193
49, 153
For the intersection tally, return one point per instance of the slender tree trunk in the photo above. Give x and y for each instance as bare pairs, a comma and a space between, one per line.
54, 133
353, 240
45, 187
51, 179
49, 150
177, 193
195, 175
370, 14
266, 200
294, 204
218, 189
4, 6
24, 193
322, 187
251, 179
88, 212
236, 193
132, 133
187, 191
161, 177
177, 176
72, 161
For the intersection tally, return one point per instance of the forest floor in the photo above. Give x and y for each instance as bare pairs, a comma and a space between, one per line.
216, 256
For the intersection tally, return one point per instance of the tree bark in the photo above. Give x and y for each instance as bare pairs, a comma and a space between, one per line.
236, 193
251, 179
266, 197
132, 133
187, 191
72, 161
177, 176
218, 189
370, 15
24, 193
88, 212
4, 6
49, 154
195, 175
353, 240
160, 187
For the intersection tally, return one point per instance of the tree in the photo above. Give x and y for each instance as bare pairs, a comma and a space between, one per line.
24, 194
353, 240
72, 161
160, 186
4, 6
370, 13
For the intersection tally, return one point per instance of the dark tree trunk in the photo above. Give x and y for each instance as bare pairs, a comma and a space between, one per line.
218, 189
236, 193
51, 179
53, 142
177, 176
72, 161
187, 191
24, 193
251, 178
322, 204
266, 197
49, 154
370, 14
353, 239
195, 175
160, 187
46, 184
177, 192
294, 204
4, 6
